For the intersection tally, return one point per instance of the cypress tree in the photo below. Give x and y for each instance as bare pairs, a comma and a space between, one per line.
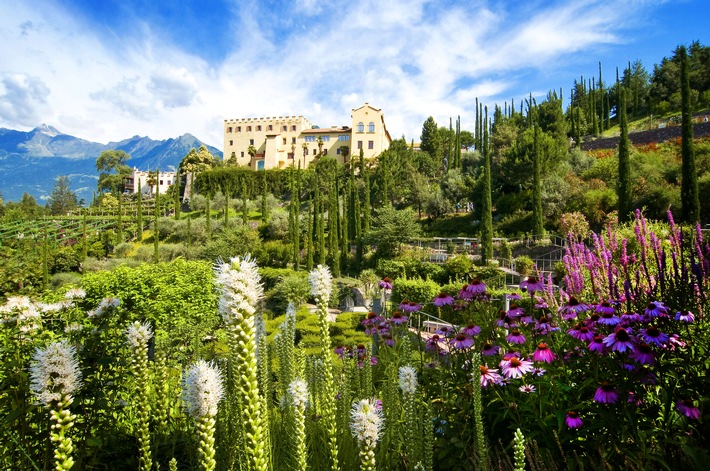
45, 259
296, 198
320, 231
450, 144
623, 192
538, 225
333, 253
311, 225
264, 208
208, 216
119, 220
476, 142
226, 192
366, 210
139, 216
156, 215
690, 202
345, 226
176, 201
604, 112
487, 203
245, 211
357, 233
84, 243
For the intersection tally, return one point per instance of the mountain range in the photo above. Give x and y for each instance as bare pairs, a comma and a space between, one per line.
31, 161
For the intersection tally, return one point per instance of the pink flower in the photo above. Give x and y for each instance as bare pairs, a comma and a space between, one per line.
543, 353
516, 367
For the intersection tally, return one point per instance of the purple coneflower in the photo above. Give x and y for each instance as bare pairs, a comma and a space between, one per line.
643, 354
360, 350
432, 344
403, 304
372, 319
539, 371
511, 354
608, 318
582, 333
543, 353
515, 311
606, 394
620, 340
516, 367
597, 345
605, 306
445, 331
389, 341
489, 376
385, 283
462, 341
544, 326
532, 284
514, 297
516, 337
687, 408
572, 308
573, 420
398, 318
656, 309
411, 306
684, 316
489, 349
471, 330
443, 299
653, 336
630, 317
527, 388
540, 303
476, 288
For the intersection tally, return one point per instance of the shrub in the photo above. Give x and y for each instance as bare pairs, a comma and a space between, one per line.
458, 267
417, 290
524, 264
290, 288
276, 253
62, 279
65, 259
123, 250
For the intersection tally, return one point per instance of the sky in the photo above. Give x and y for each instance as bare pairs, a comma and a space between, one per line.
107, 70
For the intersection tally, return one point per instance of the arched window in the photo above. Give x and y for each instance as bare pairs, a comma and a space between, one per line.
371, 127
360, 127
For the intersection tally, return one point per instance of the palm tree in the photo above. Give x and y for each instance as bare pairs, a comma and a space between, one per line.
320, 146
305, 153
252, 152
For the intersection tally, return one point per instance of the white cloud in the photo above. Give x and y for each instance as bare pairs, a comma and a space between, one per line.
22, 98
410, 58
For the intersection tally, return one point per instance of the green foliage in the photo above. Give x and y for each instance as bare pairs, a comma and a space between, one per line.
417, 290
293, 288
63, 199
112, 168
390, 229
524, 264
178, 297
458, 268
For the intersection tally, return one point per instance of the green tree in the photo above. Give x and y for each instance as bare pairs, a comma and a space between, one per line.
624, 185
538, 226
431, 138
390, 229
112, 168
63, 199
690, 210
487, 201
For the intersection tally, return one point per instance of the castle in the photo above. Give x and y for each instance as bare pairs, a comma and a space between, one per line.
284, 141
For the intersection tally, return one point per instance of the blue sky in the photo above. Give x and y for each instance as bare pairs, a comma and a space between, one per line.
108, 70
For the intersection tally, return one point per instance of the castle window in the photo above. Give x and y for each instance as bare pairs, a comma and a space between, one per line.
370, 144
337, 151
284, 128
258, 128
251, 142
293, 140
231, 143
310, 138
239, 129
359, 145
284, 141
371, 127
360, 127
229, 129
293, 128
248, 128
326, 138
325, 151
343, 137
315, 152
271, 127
242, 153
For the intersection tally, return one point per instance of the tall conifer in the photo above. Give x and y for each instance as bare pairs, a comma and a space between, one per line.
487, 203
538, 225
623, 191
690, 202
